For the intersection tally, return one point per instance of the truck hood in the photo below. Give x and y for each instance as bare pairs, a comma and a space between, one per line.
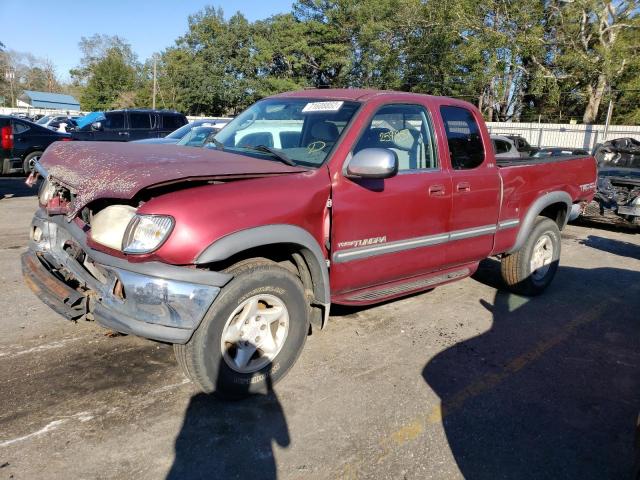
93, 170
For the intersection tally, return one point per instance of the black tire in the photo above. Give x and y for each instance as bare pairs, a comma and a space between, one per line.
201, 358
27, 165
516, 267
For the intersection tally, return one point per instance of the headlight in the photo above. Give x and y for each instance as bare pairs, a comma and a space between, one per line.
146, 233
109, 225
46, 193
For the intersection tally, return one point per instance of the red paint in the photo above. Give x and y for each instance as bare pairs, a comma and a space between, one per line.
396, 209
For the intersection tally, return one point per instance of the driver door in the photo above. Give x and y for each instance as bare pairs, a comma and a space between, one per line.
384, 230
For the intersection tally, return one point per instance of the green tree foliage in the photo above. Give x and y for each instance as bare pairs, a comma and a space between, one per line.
597, 43
108, 73
22, 71
515, 59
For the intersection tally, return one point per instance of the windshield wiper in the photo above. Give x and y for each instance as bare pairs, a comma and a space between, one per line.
279, 155
217, 143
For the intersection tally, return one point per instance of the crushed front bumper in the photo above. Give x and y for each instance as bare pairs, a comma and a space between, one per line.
152, 299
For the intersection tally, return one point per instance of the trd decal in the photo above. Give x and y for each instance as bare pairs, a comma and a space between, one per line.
363, 242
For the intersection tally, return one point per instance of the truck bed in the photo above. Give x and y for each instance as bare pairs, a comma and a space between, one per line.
512, 162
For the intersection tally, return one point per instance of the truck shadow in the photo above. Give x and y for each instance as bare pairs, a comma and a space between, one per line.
222, 439
552, 390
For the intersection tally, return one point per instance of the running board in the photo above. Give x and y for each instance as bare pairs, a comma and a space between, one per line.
398, 289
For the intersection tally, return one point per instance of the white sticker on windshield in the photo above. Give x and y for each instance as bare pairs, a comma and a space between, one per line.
322, 107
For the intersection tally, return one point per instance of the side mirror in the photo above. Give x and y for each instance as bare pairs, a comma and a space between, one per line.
96, 126
373, 163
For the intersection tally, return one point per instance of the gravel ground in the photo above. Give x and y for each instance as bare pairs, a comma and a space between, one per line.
465, 381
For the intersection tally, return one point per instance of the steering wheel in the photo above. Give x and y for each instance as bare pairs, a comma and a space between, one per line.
316, 146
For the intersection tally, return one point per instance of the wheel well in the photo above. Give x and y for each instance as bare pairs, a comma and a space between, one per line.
556, 212
292, 257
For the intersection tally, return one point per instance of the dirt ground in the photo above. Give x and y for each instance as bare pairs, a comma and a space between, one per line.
465, 381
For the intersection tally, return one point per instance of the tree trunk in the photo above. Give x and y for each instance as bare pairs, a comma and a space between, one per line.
595, 98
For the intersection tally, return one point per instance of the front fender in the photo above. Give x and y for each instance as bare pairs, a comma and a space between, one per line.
270, 235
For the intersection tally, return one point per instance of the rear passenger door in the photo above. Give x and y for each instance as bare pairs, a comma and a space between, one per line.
113, 128
141, 125
391, 229
476, 187
170, 123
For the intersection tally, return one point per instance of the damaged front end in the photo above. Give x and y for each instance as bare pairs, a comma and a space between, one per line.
618, 195
618, 189
149, 299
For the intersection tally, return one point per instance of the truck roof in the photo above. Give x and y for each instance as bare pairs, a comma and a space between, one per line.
361, 94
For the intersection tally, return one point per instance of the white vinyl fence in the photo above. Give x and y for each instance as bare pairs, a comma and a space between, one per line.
563, 134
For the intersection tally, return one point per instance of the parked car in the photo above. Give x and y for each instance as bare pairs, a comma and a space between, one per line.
618, 192
557, 151
23, 143
233, 254
522, 145
126, 125
504, 147
197, 137
178, 134
53, 121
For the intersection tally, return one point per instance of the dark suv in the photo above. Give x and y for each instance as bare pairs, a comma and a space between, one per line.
126, 125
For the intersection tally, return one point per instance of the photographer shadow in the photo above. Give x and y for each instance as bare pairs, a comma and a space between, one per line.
222, 439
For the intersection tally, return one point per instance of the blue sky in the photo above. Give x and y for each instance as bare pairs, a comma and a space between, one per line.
52, 28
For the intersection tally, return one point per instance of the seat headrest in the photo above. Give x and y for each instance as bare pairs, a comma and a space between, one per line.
325, 131
405, 139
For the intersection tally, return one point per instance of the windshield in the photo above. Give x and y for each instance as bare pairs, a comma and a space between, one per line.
181, 132
305, 130
196, 137
43, 120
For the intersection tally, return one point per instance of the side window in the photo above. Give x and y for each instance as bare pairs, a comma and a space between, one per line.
19, 128
114, 121
140, 120
501, 146
255, 139
406, 130
171, 122
463, 136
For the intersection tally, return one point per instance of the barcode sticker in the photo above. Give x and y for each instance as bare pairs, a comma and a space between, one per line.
322, 107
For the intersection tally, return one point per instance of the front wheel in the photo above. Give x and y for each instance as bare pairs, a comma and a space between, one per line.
252, 334
30, 162
531, 269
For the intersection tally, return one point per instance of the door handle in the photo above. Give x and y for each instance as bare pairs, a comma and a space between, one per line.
436, 190
124, 133
463, 187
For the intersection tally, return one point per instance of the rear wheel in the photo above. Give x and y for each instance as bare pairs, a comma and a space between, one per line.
531, 269
30, 161
252, 334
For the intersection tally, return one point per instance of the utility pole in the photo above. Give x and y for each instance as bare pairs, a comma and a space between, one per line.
10, 75
608, 122
155, 70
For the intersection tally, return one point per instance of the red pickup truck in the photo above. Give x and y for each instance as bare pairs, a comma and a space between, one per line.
234, 253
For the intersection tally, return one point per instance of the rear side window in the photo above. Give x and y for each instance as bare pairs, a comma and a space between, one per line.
171, 122
140, 120
501, 146
463, 136
114, 121
19, 128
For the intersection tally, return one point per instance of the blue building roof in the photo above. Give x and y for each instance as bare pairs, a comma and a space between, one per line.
58, 101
